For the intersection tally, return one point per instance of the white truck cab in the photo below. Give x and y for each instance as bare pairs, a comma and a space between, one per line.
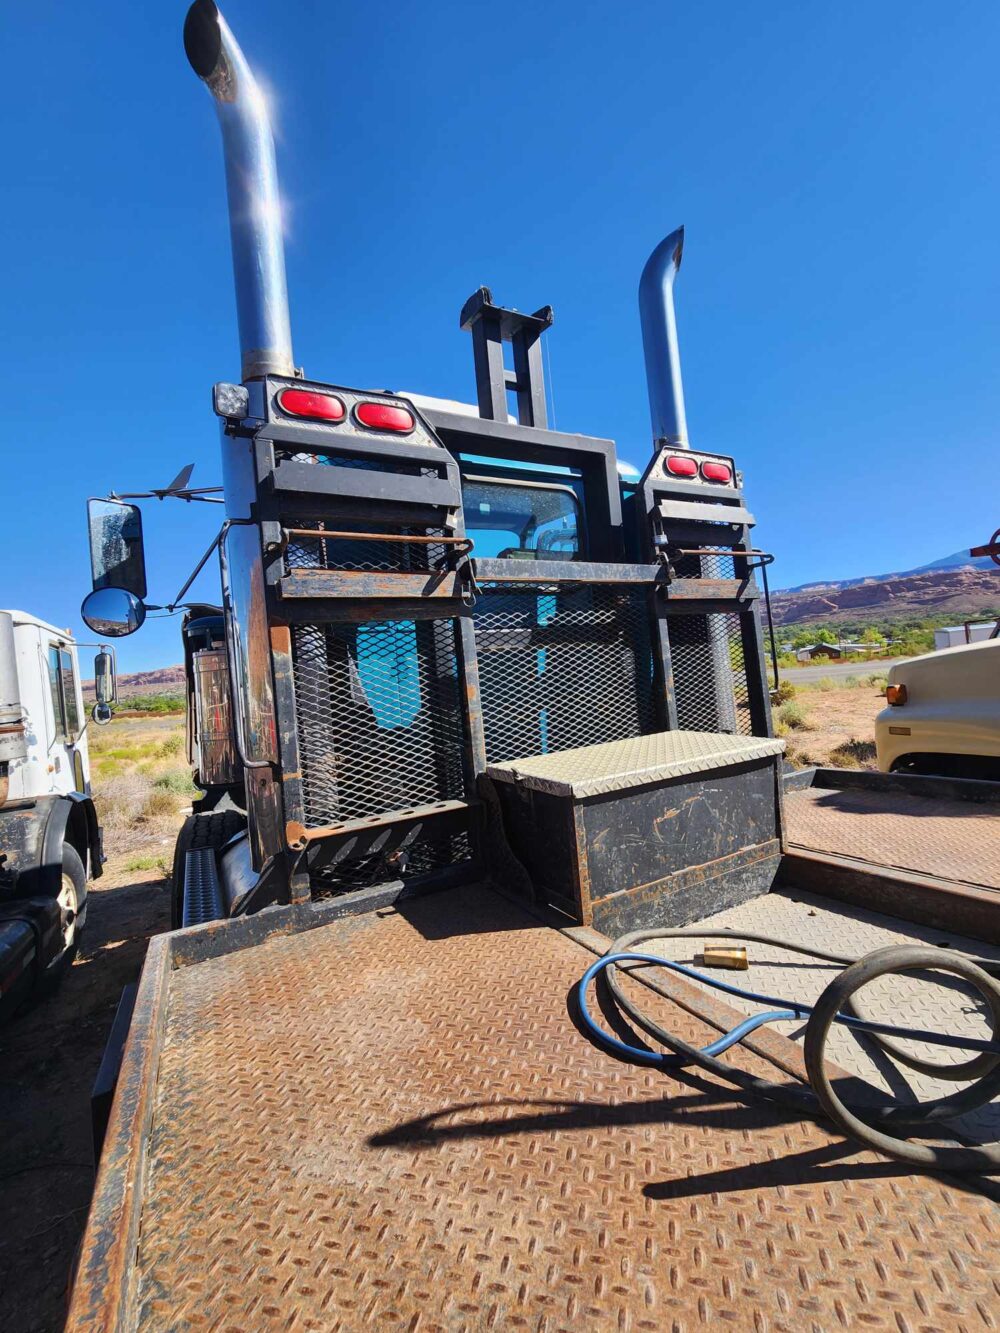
57, 761
50, 840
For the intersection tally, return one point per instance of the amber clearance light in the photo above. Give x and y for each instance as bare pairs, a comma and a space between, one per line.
895, 694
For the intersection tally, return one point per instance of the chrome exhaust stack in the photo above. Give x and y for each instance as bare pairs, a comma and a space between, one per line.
252, 186
659, 341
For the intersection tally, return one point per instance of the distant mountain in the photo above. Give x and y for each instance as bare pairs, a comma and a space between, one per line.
958, 560
955, 561
961, 591
162, 680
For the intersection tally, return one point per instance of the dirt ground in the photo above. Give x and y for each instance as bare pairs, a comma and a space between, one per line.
839, 726
50, 1053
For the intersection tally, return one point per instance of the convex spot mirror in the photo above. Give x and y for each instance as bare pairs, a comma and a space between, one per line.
105, 684
101, 714
112, 612
117, 558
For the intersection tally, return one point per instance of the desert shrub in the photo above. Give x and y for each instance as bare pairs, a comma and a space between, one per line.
785, 691
851, 682
879, 680
152, 703
826, 683
119, 802
177, 780
852, 754
793, 716
149, 863
158, 801
172, 745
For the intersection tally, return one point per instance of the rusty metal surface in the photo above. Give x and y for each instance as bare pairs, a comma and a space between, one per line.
953, 840
391, 1122
911, 1001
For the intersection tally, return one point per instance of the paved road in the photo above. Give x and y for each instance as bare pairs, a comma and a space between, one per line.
837, 670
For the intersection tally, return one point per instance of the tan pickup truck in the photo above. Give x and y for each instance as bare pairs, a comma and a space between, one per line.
943, 713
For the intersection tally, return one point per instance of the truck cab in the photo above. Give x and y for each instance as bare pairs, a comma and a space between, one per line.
57, 762
50, 842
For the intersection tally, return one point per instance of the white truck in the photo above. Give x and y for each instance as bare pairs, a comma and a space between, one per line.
50, 839
943, 708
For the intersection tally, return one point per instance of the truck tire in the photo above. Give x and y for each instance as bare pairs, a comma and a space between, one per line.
213, 829
72, 899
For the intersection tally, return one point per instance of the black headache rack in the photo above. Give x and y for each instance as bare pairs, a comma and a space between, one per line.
384, 665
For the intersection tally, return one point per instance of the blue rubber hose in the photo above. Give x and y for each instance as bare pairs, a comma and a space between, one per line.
866, 1125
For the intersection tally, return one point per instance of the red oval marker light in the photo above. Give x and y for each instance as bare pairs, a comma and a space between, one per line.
681, 466
717, 472
306, 403
384, 416
895, 694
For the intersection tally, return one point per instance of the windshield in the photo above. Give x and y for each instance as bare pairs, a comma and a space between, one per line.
514, 519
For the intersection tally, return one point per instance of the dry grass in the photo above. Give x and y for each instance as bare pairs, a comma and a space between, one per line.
840, 727
141, 782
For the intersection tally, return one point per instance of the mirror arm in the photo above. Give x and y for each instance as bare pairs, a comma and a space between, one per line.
195, 572
204, 493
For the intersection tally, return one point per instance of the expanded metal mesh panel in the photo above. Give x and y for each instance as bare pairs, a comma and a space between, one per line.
713, 565
710, 681
358, 553
562, 666
406, 860
378, 715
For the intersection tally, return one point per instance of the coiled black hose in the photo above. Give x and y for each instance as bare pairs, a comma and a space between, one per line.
868, 1124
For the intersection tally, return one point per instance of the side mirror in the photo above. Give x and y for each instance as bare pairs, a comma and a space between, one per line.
117, 558
105, 682
101, 714
112, 612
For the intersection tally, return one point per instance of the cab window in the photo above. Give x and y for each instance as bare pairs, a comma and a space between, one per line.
521, 520
62, 685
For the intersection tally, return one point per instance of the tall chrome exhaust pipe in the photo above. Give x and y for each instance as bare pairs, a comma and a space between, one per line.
659, 341
252, 186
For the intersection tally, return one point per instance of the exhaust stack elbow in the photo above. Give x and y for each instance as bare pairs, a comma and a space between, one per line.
252, 187
659, 340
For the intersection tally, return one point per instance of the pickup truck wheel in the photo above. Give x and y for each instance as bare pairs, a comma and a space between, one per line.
213, 829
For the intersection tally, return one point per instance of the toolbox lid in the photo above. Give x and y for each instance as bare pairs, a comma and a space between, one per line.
595, 770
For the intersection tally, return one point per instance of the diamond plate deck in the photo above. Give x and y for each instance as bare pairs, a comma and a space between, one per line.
952, 840
391, 1122
908, 1001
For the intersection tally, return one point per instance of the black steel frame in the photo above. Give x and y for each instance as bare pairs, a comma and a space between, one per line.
268, 486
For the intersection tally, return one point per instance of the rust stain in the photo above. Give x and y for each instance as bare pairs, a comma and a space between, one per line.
281, 639
393, 1123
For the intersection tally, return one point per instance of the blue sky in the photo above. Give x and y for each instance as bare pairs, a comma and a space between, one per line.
838, 304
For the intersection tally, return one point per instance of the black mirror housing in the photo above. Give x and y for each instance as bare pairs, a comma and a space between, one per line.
117, 556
